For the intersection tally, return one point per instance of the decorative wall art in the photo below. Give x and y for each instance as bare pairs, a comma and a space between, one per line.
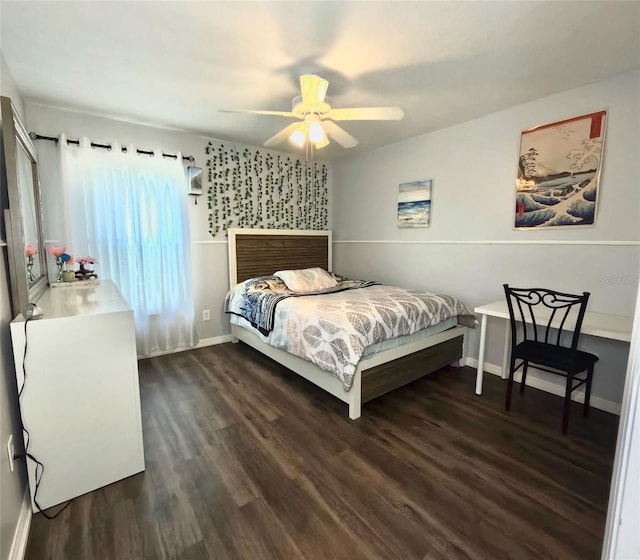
559, 173
414, 204
258, 189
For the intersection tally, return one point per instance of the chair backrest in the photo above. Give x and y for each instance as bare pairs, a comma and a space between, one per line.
545, 314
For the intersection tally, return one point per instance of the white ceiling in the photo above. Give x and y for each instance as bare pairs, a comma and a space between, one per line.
175, 64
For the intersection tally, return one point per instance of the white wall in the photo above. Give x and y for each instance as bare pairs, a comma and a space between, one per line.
209, 255
12, 484
473, 166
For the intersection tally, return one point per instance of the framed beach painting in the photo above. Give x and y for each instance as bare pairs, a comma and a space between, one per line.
414, 204
559, 173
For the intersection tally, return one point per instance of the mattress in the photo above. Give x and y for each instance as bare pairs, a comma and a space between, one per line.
373, 348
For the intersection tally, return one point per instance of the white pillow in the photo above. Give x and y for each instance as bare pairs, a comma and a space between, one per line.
307, 279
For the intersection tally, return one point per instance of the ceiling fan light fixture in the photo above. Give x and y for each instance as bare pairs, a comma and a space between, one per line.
299, 135
322, 143
316, 133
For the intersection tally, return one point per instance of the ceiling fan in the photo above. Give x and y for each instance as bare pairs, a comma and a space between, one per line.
316, 116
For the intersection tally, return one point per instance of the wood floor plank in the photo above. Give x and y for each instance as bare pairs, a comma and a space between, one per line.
316, 533
521, 488
446, 491
248, 461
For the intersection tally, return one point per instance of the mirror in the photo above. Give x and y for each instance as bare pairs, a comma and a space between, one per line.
23, 217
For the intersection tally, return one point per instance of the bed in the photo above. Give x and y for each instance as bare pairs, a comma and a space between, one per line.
257, 253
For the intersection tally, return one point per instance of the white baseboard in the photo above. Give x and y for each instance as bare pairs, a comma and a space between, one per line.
549, 387
488, 368
201, 344
21, 535
214, 340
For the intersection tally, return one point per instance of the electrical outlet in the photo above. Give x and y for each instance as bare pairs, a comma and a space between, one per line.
206, 315
11, 452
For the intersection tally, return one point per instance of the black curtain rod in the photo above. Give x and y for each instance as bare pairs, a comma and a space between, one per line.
36, 136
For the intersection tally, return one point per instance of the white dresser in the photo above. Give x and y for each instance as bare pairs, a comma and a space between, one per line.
81, 400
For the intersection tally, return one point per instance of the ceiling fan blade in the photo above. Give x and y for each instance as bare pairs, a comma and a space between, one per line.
367, 114
313, 89
283, 134
340, 135
258, 112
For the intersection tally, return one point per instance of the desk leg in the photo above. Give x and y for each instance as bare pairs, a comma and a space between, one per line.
507, 351
483, 339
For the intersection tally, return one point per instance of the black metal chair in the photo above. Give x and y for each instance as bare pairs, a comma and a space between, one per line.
545, 318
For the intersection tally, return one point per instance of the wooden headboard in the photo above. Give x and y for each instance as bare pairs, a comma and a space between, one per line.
261, 252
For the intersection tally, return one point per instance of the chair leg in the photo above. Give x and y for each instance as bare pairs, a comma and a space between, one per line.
587, 393
512, 367
567, 403
523, 381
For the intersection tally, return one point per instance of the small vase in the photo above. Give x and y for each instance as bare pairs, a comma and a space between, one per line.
86, 273
68, 276
30, 277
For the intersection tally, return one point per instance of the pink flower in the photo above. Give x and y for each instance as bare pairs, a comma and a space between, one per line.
57, 251
87, 260
30, 251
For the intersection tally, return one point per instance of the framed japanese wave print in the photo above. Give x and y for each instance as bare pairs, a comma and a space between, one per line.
558, 174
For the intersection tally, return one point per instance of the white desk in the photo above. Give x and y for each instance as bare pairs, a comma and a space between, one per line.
615, 327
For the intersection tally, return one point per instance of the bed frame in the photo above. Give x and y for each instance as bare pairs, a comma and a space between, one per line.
261, 252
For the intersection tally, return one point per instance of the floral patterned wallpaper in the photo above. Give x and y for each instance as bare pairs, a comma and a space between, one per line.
258, 189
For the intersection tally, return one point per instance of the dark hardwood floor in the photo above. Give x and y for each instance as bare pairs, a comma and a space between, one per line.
246, 460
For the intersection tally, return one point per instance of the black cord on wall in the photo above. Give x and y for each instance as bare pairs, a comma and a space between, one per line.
39, 469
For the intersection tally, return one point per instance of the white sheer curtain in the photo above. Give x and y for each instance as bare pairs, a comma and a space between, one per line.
130, 212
